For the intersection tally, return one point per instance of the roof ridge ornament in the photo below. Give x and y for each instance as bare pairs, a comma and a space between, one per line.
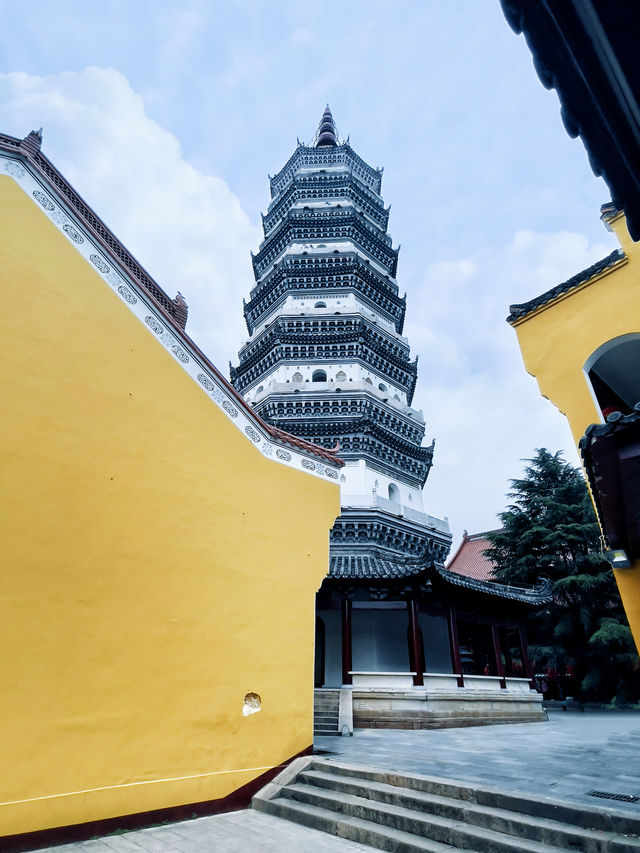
32, 142
327, 135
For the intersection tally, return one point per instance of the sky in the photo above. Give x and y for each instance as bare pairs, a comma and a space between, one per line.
168, 117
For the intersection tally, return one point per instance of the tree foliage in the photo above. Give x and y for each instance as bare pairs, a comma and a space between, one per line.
549, 530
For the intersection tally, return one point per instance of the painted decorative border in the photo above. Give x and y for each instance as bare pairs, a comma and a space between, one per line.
140, 304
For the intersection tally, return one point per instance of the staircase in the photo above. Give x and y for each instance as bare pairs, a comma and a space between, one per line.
408, 813
326, 705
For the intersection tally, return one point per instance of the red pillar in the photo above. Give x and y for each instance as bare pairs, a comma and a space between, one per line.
524, 649
507, 652
347, 664
415, 650
497, 654
455, 646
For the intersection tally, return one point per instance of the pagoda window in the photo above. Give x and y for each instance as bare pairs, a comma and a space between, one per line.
319, 376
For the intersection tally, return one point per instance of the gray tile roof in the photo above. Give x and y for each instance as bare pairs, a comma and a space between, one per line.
372, 566
518, 311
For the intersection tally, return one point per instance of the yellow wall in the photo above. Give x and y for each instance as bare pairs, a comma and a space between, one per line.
156, 567
556, 341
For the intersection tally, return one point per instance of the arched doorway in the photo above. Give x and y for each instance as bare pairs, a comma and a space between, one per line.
613, 372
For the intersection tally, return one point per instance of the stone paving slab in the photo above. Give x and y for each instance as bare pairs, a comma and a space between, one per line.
234, 832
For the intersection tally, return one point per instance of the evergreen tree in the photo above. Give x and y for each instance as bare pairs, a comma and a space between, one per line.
550, 530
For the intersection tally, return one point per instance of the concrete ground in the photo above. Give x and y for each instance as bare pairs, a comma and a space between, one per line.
564, 758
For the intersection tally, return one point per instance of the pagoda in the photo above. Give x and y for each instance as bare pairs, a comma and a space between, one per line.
326, 360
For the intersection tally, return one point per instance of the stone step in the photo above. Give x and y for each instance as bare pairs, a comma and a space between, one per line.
353, 829
407, 812
553, 833
327, 713
434, 827
596, 817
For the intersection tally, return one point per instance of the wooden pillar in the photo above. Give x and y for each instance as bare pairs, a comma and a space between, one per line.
507, 652
347, 664
415, 650
524, 649
497, 654
455, 646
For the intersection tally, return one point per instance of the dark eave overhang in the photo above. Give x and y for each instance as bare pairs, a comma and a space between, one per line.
611, 457
587, 50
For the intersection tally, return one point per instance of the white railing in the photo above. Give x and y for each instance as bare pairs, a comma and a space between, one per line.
387, 680
438, 682
397, 509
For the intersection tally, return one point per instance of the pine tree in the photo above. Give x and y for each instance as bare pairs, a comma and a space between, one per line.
550, 530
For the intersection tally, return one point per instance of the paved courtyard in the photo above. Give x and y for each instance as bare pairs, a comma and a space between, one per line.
564, 758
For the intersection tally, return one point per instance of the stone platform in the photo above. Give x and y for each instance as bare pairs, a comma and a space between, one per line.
391, 701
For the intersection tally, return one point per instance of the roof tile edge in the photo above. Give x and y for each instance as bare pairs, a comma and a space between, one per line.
518, 312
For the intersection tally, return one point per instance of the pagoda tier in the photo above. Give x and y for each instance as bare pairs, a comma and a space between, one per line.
341, 158
360, 436
331, 195
341, 341
319, 275
326, 359
311, 232
416, 536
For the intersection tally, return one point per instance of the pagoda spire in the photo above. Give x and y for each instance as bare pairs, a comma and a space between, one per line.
327, 133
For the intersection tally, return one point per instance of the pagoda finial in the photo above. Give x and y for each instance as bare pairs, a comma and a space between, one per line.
327, 134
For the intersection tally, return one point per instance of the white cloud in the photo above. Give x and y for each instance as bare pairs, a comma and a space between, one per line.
484, 410
185, 227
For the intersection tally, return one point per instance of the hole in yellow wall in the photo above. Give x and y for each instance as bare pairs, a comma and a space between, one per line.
251, 705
